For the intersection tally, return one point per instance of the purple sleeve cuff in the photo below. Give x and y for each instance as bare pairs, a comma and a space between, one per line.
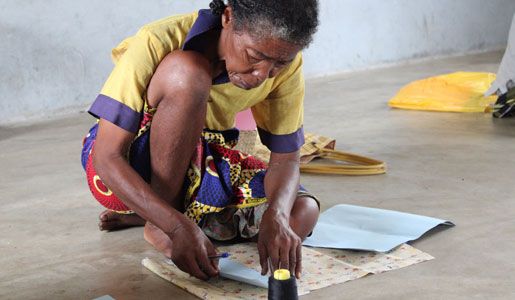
115, 112
284, 143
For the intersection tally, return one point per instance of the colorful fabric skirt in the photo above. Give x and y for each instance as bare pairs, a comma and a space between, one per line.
224, 188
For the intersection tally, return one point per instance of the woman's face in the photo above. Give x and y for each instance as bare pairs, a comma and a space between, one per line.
250, 61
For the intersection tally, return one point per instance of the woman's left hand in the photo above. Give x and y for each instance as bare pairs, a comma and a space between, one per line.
278, 243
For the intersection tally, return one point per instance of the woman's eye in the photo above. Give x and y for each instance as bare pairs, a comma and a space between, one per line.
279, 65
251, 58
254, 60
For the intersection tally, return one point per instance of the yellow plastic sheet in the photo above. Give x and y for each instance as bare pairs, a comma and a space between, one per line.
455, 92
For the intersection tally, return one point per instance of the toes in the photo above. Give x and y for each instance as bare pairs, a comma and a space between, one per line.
108, 226
102, 226
105, 215
111, 220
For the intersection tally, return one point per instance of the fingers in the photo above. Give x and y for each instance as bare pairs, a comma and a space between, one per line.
206, 266
195, 270
298, 266
273, 253
189, 265
284, 257
209, 266
295, 266
182, 266
197, 264
293, 259
282, 253
263, 258
211, 251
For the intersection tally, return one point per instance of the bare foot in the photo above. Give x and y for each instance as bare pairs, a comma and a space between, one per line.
157, 238
110, 220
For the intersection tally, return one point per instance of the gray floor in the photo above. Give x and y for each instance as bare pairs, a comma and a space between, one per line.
459, 167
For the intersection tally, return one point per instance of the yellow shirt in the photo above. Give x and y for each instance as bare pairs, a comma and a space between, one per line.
277, 104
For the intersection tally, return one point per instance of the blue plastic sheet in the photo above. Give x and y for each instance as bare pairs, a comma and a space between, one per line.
233, 270
371, 229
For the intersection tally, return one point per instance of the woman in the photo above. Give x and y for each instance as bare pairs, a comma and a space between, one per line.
163, 143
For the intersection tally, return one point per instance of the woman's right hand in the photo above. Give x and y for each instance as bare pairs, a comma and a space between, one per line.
190, 246
191, 249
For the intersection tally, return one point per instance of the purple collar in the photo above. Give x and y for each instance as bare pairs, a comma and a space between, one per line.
194, 40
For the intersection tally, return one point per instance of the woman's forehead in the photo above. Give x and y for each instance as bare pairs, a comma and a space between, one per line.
271, 48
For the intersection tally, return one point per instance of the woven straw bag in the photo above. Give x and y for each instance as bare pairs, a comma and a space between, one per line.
316, 147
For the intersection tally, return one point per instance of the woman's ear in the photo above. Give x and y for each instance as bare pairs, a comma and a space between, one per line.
227, 17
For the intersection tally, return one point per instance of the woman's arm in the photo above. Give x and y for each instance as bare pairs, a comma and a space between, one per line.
277, 240
109, 160
179, 89
190, 247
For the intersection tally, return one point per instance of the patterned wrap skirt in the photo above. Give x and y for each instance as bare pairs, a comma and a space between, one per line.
224, 188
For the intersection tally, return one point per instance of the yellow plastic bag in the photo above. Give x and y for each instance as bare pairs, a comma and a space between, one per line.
455, 92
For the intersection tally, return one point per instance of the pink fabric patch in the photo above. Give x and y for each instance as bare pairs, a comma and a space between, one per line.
245, 120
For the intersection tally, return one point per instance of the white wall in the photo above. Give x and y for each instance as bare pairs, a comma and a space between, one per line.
55, 54
357, 34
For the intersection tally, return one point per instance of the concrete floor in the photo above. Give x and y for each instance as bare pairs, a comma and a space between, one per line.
459, 167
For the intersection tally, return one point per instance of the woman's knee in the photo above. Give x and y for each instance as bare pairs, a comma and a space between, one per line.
306, 205
304, 215
183, 77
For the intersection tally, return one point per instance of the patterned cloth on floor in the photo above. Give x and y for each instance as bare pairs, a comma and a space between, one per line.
321, 268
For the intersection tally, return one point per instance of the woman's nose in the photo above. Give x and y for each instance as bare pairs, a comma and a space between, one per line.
263, 71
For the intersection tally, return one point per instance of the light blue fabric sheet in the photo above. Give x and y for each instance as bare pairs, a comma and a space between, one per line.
363, 228
233, 270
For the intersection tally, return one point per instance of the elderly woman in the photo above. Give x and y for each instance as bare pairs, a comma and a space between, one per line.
161, 153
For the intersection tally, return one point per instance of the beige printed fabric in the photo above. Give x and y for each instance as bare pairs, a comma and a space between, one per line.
321, 268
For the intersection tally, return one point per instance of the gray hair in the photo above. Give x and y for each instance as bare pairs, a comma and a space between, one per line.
294, 21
